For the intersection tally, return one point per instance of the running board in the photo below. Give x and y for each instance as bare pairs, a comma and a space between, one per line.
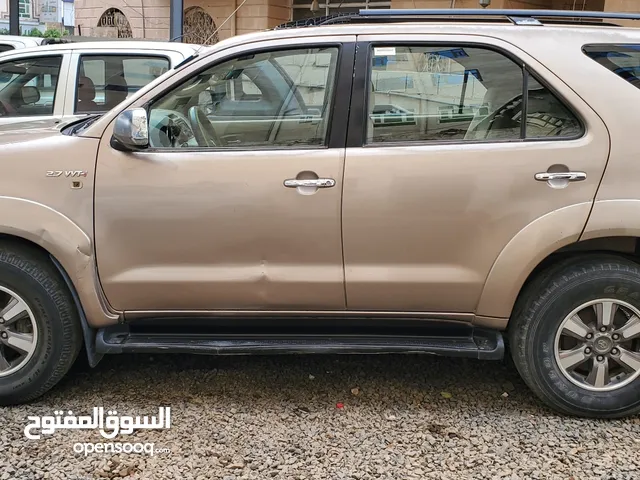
477, 343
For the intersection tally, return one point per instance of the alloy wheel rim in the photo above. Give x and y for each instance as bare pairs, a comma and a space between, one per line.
18, 332
597, 346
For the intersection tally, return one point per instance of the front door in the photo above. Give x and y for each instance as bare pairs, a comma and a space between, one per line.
220, 214
447, 175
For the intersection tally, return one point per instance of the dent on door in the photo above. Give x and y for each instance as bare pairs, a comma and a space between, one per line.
220, 228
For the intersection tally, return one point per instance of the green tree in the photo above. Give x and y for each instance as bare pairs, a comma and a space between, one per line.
52, 33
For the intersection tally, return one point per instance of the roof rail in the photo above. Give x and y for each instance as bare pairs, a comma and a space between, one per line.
79, 38
319, 20
519, 17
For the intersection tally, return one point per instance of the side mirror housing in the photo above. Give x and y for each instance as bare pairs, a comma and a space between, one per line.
131, 130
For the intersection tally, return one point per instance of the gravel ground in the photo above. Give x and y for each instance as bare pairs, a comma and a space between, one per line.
402, 418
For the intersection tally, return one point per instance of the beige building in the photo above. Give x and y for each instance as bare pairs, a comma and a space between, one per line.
151, 18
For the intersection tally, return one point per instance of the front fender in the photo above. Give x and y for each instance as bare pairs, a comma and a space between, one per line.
523, 253
67, 243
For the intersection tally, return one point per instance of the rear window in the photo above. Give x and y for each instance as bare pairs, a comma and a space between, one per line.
106, 80
623, 60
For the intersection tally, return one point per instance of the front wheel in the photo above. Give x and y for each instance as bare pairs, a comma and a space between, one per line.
40, 335
576, 338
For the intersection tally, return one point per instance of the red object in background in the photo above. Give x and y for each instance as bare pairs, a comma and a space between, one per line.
339, 405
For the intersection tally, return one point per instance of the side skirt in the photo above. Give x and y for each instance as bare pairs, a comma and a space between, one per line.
300, 336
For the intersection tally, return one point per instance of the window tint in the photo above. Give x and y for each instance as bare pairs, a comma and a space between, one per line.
271, 99
28, 86
623, 60
5, 48
443, 93
547, 116
106, 80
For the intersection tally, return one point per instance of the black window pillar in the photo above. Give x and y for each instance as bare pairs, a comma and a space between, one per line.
175, 20
14, 17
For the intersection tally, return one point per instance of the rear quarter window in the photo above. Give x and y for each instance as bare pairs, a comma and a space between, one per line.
621, 59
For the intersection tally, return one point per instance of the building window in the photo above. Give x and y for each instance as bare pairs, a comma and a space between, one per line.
113, 18
302, 8
25, 8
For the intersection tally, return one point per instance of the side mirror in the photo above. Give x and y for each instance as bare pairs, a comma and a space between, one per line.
30, 95
131, 130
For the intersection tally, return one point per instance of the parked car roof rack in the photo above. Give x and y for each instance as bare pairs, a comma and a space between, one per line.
78, 38
517, 17
319, 20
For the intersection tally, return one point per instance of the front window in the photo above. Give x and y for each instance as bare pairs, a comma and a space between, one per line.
28, 86
267, 99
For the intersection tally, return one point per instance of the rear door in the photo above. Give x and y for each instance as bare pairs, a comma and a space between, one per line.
440, 170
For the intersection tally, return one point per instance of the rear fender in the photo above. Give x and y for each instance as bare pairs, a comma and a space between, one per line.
526, 250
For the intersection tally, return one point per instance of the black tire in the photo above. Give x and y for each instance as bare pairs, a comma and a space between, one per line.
30, 274
540, 311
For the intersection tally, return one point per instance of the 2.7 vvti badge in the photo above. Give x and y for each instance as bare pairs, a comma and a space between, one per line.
66, 173
387, 184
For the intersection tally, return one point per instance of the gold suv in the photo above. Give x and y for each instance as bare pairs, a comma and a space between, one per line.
388, 181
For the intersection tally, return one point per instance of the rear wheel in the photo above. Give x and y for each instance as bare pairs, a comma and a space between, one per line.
576, 337
40, 334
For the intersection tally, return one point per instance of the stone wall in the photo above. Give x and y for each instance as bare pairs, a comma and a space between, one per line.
254, 15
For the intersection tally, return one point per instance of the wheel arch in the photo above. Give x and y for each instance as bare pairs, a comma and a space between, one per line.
69, 247
557, 236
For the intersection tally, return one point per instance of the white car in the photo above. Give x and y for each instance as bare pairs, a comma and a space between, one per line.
12, 42
47, 84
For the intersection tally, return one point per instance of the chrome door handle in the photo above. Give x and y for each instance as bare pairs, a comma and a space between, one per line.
317, 182
569, 176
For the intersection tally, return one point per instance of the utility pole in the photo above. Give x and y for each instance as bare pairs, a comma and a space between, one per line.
175, 20
14, 17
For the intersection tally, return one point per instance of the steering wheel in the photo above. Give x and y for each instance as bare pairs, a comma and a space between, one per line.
501, 118
203, 130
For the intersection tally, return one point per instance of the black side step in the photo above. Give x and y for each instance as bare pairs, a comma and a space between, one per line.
477, 343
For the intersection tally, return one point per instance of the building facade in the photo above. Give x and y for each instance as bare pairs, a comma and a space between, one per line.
40, 14
201, 18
